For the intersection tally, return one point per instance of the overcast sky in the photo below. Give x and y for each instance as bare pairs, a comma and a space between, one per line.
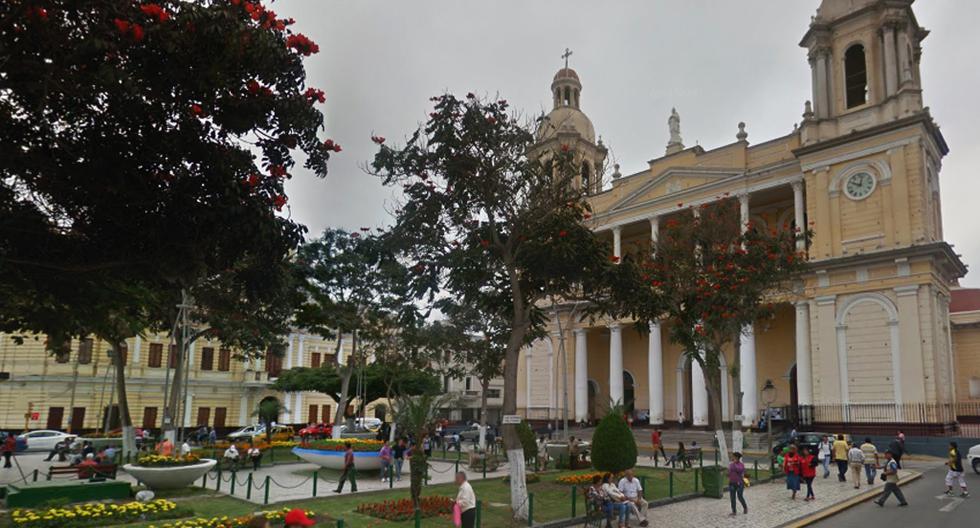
717, 62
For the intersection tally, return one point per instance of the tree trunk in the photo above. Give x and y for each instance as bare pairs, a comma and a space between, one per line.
346, 371
176, 385
713, 383
485, 385
125, 420
736, 375
512, 442
418, 468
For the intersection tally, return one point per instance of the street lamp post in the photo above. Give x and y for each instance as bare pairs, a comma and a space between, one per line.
769, 396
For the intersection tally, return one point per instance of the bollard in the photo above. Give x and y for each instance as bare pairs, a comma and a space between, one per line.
418, 518
248, 492
217, 481
315, 479
643, 483
479, 508
268, 479
701, 458
695, 480
670, 484
391, 476
485, 455
204, 481
755, 463
233, 479
530, 509
574, 494
716, 457
457, 465
35, 475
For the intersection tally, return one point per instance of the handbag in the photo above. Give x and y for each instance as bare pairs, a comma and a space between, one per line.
457, 515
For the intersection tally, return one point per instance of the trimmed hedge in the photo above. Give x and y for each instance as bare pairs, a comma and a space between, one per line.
528, 442
613, 445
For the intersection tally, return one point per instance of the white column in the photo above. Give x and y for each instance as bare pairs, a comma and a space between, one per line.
823, 98
581, 375
804, 372
798, 209
747, 376
655, 373
814, 85
743, 207
299, 352
699, 395
289, 353
243, 410
616, 363
891, 75
136, 351
618, 242
904, 61
654, 229
187, 409
298, 411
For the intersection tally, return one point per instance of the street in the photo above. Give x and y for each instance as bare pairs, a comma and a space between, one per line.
924, 508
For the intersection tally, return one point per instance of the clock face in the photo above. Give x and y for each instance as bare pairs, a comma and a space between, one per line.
859, 185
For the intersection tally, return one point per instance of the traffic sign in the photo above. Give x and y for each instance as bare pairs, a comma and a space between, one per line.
511, 419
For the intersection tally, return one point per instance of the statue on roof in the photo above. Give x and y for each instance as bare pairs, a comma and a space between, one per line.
674, 124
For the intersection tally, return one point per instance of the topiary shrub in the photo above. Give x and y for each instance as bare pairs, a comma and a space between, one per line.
527, 441
613, 445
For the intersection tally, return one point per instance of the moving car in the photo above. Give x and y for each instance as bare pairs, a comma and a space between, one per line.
973, 457
247, 432
321, 430
43, 439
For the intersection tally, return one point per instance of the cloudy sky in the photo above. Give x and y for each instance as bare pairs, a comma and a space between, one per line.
717, 62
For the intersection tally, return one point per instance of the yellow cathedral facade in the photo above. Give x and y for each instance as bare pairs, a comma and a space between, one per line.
868, 338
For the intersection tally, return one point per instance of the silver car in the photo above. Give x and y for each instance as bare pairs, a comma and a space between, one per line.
43, 439
973, 456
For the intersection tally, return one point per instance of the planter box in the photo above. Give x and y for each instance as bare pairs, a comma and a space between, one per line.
335, 459
172, 477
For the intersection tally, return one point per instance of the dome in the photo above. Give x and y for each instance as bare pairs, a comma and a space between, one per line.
566, 73
566, 119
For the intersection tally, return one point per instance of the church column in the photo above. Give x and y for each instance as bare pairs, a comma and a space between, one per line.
904, 61
699, 394
581, 375
616, 363
655, 374
822, 95
891, 75
617, 241
747, 376
654, 229
798, 213
804, 372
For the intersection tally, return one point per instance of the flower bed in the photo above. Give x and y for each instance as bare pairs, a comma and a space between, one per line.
356, 444
581, 479
404, 510
152, 460
261, 444
274, 516
97, 514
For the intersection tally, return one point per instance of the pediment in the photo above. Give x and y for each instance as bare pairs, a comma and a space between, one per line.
673, 180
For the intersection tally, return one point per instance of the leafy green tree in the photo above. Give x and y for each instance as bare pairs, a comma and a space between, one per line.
352, 285
494, 227
613, 444
143, 150
710, 276
419, 415
268, 412
529, 443
379, 381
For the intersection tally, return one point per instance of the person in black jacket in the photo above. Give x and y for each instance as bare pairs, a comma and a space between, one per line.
896, 448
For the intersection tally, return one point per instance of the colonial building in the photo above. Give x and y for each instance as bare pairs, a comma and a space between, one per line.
868, 339
75, 389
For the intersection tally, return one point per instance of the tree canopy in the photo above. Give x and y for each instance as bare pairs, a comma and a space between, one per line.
377, 379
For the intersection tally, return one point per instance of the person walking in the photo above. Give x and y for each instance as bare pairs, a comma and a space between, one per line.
855, 461
897, 447
398, 453
792, 467
736, 482
656, 441
633, 490
824, 455
891, 482
466, 501
839, 452
955, 464
255, 456
385, 455
808, 470
348, 470
9, 447
871, 462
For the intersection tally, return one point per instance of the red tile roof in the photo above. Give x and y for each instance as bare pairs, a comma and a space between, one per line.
964, 300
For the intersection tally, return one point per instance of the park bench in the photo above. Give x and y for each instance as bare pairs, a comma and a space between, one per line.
690, 456
102, 470
595, 517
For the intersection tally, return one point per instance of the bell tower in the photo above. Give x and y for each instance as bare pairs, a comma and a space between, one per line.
566, 127
864, 61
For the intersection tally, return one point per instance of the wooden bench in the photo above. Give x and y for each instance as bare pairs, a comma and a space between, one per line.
691, 455
595, 517
84, 472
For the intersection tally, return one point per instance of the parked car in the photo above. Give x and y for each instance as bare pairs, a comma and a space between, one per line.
470, 434
247, 432
808, 440
973, 456
321, 430
43, 439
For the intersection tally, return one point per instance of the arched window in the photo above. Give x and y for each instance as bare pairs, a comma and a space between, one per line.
855, 76
585, 177
567, 98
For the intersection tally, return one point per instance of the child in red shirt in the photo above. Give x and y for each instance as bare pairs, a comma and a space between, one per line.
808, 468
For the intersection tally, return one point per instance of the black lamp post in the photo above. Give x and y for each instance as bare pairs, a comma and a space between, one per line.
769, 396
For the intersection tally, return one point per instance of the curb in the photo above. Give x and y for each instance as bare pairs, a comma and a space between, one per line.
849, 503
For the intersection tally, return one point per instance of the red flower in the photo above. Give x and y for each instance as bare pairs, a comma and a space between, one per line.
330, 145
563, 233
613, 258
471, 95
301, 43
253, 180
155, 11
355, 235
279, 201
586, 215
485, 243
277, 170
492, 120
312, 94
564, 148
121, 25
39, 13
252, 86
680, 204
365, 229
197, 110
137, 32
378, 139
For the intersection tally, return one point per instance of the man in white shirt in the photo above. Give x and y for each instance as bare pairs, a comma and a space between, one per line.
633, 490
231, 455
185, 449
466, 500
855, 459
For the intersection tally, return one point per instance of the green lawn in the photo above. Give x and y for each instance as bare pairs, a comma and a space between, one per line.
552, 500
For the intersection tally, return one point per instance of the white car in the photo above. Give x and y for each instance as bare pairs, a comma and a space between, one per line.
973, 458
247, 432
43, 439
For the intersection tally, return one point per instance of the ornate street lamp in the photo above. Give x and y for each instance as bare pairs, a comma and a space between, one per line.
769, 396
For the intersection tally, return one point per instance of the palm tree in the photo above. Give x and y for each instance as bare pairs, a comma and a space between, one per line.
268, 413
419, 415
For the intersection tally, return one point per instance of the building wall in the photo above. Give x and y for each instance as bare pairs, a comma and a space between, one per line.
966, 348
